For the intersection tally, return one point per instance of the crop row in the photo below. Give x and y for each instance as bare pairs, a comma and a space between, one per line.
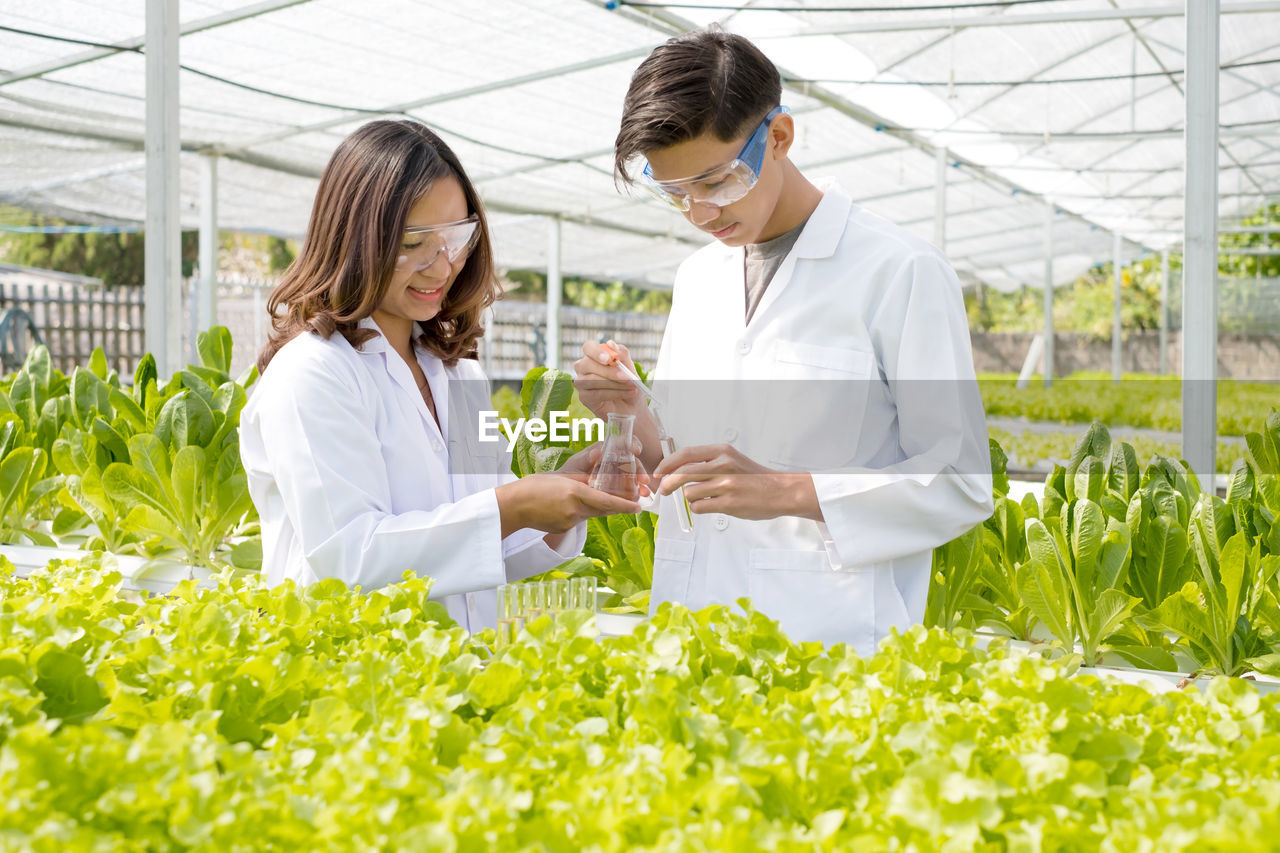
245, 718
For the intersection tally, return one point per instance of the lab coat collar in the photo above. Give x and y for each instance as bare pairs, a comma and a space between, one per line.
822, 232
376, 344
432, 368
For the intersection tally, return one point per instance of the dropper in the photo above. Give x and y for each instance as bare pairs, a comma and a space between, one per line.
666, 444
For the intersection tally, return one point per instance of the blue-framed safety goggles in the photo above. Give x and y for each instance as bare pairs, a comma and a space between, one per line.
722, 185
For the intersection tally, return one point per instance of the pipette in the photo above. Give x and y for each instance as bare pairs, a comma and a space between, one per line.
666, 444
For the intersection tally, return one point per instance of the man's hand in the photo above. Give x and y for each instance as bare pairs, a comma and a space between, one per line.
719, 478
602, 386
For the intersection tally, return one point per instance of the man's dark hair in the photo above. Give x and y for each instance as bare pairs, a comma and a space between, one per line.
705, 80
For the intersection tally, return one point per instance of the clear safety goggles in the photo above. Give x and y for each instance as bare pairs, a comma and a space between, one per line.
421, 246
722, 185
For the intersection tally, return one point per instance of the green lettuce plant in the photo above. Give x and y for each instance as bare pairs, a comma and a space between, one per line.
239, 716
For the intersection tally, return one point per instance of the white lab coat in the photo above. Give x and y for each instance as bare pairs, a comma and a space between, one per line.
862, 308
353, 478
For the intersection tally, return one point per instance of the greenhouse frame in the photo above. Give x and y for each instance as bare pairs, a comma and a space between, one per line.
1072, 644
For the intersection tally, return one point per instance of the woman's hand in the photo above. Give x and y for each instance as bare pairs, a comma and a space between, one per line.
554, 503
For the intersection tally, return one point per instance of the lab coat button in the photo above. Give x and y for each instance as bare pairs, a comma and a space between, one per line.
730, 434
437, 446
721, 523
744, 347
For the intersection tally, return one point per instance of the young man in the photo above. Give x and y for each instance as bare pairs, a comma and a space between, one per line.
815, 368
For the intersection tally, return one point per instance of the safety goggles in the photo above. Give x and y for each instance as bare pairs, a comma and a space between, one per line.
722, 185
421, 246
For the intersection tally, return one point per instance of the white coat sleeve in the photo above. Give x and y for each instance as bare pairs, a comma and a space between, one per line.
527, 552
942, 486
324, 454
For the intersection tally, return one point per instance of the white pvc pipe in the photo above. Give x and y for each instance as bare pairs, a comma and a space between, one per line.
1164, 313
1117, 346
1048, 294
554, 288
163, 269
1200, 242
940, 200
207, 300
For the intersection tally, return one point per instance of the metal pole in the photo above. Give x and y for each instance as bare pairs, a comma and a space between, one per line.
1133, 84
952, 21
1117, 353
940, 200
1048, 295
1164, 313
207, 300
192, 299
163, 311
554, 288
1200, 242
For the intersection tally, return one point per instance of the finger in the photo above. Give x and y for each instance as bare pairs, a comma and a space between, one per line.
620, 350
597, 352
582, 461
706, 506
602, 384
686, 456
702, 491
618, 356
603, 503
694, 472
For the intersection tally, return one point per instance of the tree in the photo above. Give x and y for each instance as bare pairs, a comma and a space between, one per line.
114, 257
531, 286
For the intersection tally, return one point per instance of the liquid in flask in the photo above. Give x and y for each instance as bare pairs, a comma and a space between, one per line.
616, 472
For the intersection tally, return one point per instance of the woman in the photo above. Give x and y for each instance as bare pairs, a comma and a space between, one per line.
360, 440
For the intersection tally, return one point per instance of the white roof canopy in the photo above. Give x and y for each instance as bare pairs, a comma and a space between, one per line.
1075, 103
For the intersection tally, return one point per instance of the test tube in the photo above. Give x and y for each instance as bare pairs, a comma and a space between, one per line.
684, 514
557, 595
582, 593
509, 621
533, 601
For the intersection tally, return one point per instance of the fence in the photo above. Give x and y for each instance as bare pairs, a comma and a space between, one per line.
514, 341
75, 317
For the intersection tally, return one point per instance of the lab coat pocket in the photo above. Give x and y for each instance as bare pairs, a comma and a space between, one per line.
672, 565
811, 600
837, 360
817, 405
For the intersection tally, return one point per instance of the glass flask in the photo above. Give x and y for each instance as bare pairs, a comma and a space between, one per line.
616, 471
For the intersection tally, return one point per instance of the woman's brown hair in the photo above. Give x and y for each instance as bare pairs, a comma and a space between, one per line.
353, 239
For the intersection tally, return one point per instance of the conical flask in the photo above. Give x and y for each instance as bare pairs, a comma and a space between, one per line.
616, 471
